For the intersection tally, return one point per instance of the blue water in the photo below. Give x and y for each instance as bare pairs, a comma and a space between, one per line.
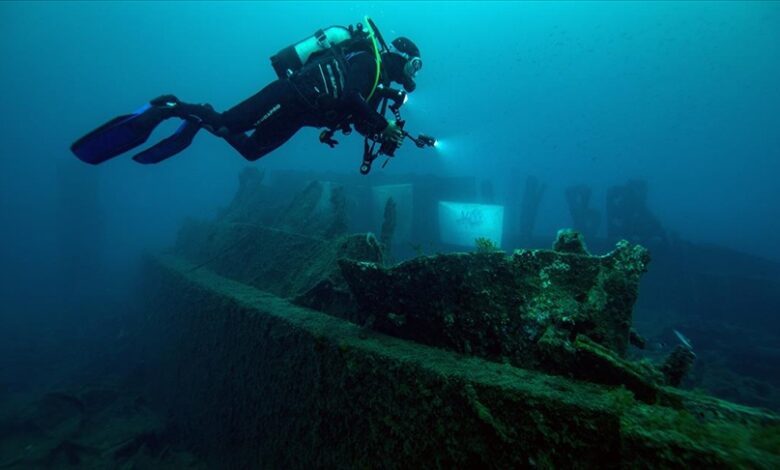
681, 94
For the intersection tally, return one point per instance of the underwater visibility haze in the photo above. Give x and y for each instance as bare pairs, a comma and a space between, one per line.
570, 224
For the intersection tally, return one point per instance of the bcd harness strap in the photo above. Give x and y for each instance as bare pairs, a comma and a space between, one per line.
377, 43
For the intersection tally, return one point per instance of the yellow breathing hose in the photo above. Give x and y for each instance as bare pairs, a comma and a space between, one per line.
372, 35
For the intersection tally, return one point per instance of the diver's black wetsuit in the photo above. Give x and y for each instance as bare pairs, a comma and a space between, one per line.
324, 93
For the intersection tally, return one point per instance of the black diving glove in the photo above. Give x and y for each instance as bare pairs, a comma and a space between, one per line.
392, 134
326, 137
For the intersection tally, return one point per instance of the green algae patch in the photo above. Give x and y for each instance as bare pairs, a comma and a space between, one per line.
682, 435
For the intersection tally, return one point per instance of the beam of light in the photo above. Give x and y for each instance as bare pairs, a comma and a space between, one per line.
458, 153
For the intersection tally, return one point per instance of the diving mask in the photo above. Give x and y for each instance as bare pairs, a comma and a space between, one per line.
412, 66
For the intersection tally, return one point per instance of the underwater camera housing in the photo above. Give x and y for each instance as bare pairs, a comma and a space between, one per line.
393, 99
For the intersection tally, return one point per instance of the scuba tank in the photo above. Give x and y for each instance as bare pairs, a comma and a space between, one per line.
317, 66
292, 58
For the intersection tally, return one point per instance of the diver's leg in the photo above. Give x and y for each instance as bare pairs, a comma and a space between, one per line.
204, 115
277, 99
276, 113
267, 136
244, 116
248, 146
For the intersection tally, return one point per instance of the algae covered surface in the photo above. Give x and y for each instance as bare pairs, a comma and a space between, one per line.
283, 340
267, 381
105, 427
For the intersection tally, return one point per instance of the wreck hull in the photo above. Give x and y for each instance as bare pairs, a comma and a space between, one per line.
256, 382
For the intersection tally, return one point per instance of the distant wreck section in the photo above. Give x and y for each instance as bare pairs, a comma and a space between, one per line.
290, 249
295, 343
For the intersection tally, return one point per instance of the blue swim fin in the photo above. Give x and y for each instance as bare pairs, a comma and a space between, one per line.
170, 146
124, 132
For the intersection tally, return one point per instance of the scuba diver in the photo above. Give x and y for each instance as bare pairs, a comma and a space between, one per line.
336, 79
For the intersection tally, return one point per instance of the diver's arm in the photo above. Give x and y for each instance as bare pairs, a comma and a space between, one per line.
359, 84
367, 121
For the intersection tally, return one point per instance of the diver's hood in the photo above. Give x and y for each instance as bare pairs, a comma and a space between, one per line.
406, 47
404, 72
395, 64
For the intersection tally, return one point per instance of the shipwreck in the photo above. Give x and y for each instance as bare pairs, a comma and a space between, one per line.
282, 340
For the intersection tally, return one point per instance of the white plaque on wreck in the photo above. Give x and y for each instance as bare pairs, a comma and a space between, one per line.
461, 224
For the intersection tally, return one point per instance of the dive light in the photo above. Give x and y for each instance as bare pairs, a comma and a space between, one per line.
425, 141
